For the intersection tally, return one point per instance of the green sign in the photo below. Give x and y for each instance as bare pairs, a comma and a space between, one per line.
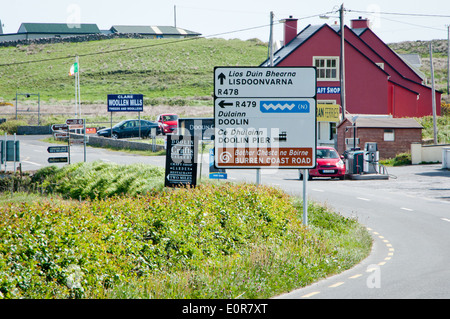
7, 153
58, 160
58, 149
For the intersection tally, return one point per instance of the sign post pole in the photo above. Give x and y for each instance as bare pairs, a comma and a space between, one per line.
201, 159
68, 147
305, 198
84, 138
4, 150
14, 153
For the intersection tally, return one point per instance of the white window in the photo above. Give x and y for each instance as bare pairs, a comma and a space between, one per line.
389, 135
381, 65
327, 68
333, 131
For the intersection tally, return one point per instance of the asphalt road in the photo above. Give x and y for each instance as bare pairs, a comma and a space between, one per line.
407, 215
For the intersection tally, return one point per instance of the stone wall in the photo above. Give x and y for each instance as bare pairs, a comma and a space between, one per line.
78, 38
34, 130
123, 144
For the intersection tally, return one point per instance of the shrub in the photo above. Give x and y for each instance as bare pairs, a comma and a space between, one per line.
10, 127
399, 160
100, 180
214, 241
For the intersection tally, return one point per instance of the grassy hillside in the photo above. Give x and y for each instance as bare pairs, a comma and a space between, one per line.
161, 69
422, 48
166, 71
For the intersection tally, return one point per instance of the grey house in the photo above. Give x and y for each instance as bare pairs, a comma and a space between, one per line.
50, 30
155, 32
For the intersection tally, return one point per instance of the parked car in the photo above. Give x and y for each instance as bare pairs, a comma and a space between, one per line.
167, 122
329, 164
130, 128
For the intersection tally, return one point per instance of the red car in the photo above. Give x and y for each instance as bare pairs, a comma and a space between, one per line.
329, 164
167, 122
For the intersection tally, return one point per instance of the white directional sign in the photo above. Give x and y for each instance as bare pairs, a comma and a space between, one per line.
265, 124
264, 82
75, 121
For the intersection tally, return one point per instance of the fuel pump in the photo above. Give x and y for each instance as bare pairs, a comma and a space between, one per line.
371, 158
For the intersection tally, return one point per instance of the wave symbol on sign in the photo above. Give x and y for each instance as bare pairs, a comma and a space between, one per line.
284, 106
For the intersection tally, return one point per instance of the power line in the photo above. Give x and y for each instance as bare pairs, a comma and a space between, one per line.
402, 14
153, 44
415, 25
211, 35
131, 48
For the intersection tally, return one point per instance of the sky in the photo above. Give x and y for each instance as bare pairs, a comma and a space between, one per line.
392, 21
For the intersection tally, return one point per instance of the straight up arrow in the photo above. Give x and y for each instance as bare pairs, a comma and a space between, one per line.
221, 78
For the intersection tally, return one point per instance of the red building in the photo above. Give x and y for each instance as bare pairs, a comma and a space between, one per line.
377, 80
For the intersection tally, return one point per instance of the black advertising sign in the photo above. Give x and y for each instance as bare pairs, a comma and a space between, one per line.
201, 127
181, 161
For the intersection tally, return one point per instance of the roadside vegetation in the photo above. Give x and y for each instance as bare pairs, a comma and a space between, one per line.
96, 230
401, 159
443, 126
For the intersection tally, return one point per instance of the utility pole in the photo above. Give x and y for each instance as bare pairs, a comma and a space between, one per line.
175, 16
448, 60
342, 61
270, 52
271, 40
433, 93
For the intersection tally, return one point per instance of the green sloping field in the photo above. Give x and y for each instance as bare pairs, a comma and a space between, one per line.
160, 69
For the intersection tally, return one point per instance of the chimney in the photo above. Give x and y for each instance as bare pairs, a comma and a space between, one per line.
360, 23
290, 29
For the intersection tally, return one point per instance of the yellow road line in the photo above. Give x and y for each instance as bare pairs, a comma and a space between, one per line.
311, 294
336, 284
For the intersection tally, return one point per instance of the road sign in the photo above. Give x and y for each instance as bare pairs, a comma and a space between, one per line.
76, 126
91, 130
9, 151
238, 82
75, 121
181, 160
61, 134
268, 119
58, 149
214, 172
76, 141
266, 133
201, 127
125, 102
60, 127
58, 159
